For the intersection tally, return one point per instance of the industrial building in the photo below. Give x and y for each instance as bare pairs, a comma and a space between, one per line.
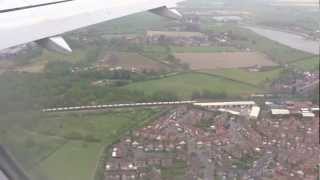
280, 112
255, 112
234, 19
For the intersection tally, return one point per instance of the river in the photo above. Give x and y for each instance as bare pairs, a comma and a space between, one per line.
288, 39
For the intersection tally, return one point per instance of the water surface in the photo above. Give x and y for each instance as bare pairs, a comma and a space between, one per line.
288, 39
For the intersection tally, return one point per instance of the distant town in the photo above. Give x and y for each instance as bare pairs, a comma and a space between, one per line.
230, 140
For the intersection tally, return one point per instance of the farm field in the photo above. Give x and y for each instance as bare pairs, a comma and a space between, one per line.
5, 65
156, 52
36, 67
199, 61
185, 84
80, 161
78, 55
129, 61
67, 146
39, 62
254, 78
195, 49
309, 64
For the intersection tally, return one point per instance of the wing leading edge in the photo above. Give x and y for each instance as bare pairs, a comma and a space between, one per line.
21, 24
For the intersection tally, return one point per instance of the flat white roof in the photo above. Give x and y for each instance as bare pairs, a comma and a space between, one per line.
315, 109
234, 103
230, 111
220, 18
308, 114
114, 154
268, 103
255, 111
280, 111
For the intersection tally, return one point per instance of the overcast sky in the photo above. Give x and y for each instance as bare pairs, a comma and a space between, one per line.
303, 1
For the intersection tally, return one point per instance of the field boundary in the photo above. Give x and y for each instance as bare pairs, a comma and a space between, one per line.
155, 60
51, 153
303, 59
224, 60
226, 78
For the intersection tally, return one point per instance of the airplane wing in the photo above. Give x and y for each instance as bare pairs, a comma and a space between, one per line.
42, 21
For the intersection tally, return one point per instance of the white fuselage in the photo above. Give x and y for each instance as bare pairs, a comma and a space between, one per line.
31, 24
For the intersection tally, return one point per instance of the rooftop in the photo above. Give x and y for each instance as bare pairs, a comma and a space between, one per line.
230, 111
308, 114
255, 111
234, 103
227, 18
280, 111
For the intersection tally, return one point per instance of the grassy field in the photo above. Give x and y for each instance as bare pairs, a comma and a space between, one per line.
66, 146
77, 56
35, 67
185, 84
131, 60
156, 51
161, 52
254, 78
178, 49
80, 161
220, 60
39, 63
309, 64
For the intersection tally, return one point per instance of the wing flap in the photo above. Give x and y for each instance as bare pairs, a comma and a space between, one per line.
14, 5
56, 44
37, 23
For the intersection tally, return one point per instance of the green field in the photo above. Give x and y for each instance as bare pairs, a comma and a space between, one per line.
309, 64
178, 49
67, 146
185, 84
254, 78
77, 56
156, 51
161, 52
75, 160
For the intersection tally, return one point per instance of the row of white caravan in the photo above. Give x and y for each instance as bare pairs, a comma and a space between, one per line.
116, 106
